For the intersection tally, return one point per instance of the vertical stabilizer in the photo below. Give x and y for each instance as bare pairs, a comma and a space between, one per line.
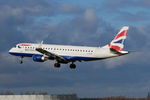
118, 42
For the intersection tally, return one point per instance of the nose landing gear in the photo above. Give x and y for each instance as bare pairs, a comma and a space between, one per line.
21, 60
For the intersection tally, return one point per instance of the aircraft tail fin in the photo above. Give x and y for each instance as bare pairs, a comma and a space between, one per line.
118, 42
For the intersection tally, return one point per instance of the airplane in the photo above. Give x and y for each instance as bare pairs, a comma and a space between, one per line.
63, 54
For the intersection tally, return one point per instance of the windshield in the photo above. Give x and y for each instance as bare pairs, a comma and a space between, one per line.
17, 46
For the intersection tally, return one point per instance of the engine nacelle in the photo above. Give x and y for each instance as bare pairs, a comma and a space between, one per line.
38, 58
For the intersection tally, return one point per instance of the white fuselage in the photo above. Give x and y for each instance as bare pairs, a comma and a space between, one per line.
74, 52
66, 54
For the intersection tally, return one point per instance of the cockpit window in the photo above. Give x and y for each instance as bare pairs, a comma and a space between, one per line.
17, 46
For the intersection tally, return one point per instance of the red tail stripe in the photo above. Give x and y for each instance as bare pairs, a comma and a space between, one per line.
123, 33
115, 47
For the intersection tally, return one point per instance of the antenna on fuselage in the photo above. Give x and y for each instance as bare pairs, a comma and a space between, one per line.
40, 44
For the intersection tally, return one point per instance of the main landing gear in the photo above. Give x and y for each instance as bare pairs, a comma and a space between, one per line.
58, 65
72, 66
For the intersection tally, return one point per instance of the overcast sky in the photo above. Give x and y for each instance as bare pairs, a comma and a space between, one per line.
76, 22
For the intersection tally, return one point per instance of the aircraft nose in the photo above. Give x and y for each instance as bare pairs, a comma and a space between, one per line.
10, 51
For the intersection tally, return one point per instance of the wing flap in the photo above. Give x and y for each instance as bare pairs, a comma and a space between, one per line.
50, 54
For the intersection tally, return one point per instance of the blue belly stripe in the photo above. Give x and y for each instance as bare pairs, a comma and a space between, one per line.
66, 57
22, 54
79, 58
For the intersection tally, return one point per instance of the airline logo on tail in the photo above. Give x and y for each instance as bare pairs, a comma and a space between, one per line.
118, 42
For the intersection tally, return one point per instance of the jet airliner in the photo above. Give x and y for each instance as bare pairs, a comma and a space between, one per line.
63, 54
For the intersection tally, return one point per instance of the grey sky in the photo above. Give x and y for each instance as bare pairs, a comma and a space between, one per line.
90, 23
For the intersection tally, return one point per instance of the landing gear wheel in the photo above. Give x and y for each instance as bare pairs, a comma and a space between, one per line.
21, 62
21, 59
57, 65
72, 66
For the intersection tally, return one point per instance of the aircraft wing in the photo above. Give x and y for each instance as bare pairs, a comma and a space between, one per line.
52, 55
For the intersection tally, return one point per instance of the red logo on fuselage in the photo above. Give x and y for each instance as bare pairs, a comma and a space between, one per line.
24, 45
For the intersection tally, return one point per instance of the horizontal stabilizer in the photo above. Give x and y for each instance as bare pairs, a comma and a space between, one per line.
118, 52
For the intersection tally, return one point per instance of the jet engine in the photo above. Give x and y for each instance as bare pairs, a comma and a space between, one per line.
39, 58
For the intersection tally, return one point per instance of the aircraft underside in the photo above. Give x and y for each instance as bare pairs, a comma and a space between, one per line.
57, 64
